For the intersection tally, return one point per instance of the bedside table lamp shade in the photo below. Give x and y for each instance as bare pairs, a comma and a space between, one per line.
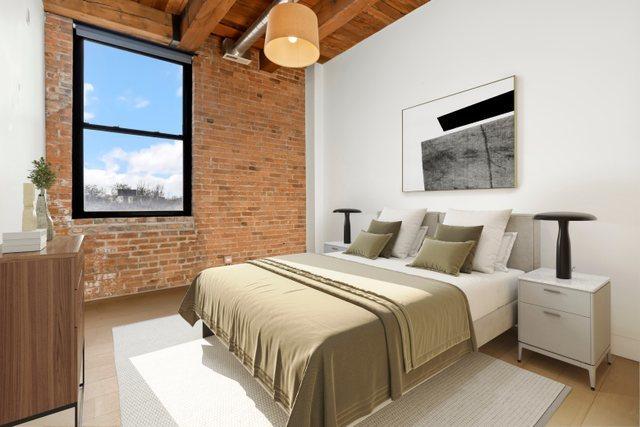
563, 248
347, 222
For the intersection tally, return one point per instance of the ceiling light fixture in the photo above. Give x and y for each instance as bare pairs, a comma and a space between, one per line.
292, 36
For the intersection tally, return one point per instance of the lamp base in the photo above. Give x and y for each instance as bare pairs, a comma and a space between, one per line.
563, 251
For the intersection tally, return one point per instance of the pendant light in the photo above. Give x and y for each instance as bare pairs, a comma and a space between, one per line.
292, 36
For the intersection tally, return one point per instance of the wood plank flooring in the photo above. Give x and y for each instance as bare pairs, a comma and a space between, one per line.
615, 401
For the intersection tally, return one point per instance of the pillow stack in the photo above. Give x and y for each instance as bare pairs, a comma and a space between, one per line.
400, 225
466, 241
493, 225
411, 222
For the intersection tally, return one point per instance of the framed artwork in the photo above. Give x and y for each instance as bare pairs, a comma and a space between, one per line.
461, 141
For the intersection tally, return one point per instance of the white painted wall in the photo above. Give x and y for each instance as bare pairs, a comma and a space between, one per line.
577, 64
21, 102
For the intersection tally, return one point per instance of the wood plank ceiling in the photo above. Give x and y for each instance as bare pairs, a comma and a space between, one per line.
342, 23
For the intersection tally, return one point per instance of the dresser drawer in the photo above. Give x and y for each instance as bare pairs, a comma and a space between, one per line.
555, 297
562, 333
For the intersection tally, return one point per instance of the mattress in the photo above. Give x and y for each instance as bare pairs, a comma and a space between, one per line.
485, 292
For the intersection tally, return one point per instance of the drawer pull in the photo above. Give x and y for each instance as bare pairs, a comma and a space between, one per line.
552, 291
552, 314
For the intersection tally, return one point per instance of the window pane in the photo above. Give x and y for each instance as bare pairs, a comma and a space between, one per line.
131, 90
131, 173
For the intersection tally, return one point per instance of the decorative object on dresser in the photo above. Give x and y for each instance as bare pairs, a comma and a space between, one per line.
43, 178
569, 320
335, 247
563, 248
461, 141
24, 241
41, 332
29, 218
347, 223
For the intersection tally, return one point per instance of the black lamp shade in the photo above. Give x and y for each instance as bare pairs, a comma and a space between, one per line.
563, 248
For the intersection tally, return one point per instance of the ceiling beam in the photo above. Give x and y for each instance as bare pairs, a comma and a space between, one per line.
333, 14
199, 20
175, 6
125, 16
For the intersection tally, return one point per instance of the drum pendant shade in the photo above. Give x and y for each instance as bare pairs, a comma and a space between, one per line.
292, 36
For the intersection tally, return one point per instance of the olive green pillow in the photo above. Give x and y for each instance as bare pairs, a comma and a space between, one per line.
368, 245
445, 257
381, 227
455, 233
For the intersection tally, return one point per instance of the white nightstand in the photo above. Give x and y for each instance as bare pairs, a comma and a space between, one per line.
567, 319
335, 247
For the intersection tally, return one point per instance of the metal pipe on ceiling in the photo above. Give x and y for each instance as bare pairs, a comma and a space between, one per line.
234, 50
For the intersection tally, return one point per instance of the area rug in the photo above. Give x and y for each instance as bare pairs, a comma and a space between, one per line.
169, 376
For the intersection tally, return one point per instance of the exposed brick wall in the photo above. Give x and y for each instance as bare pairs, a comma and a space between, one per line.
248, 175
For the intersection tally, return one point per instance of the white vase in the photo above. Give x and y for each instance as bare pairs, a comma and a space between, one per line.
43, 216
29, 219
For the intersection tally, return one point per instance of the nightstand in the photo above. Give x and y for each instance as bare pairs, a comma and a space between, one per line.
335, 247
567, 319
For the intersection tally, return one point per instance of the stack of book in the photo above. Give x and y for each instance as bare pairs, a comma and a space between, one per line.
24, 241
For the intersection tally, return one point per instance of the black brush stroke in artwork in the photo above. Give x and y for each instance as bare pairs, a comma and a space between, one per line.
473, 158
482, 110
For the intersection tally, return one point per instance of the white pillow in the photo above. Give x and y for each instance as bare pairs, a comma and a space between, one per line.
411, 222
508, 239
493, 222
417, 242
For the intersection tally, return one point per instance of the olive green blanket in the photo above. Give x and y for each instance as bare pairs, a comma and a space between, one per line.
328, 338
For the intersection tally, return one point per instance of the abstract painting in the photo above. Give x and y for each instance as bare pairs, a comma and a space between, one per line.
461, 141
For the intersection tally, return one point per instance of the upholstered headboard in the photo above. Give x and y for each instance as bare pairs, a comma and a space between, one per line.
526, 250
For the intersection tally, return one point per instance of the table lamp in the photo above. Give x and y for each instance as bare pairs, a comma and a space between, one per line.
347, 222
563, 249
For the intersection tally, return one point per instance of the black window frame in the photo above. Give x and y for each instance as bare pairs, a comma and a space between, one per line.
130, 44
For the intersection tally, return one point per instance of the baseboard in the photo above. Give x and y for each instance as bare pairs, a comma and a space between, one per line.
626, 347
132, 295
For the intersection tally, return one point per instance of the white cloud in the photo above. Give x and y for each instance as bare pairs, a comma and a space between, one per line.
141, 103
88, 90
179, 92
89, 99
160, 164
133, 100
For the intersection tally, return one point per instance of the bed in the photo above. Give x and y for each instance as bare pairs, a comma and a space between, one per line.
333, 337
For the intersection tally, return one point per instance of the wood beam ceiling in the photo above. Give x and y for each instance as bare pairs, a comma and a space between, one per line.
199, 19
333, 14
342, 23
118, 15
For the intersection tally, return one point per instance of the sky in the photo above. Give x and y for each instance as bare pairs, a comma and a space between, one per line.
134, 91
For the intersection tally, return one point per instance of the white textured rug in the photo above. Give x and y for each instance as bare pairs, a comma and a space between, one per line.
170, 376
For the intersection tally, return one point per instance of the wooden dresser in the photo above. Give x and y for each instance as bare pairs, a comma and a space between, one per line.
41, 331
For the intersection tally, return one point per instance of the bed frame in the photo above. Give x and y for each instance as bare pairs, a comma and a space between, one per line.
524, 256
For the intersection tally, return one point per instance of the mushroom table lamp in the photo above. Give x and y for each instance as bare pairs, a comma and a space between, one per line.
563, 249
347, 223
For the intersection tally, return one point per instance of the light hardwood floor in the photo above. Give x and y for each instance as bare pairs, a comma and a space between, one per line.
615, 401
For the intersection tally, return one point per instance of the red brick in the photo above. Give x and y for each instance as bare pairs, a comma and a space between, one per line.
248, 175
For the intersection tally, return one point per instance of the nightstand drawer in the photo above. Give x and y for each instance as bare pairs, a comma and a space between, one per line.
333, 248
555, 297
562, 333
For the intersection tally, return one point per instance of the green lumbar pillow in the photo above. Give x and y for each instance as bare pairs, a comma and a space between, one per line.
455, 233
368, 245
381, 227
445, 257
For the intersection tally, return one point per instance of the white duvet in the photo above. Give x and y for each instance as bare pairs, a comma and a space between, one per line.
485, 292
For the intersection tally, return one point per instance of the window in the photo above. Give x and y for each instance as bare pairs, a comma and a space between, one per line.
131, 127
